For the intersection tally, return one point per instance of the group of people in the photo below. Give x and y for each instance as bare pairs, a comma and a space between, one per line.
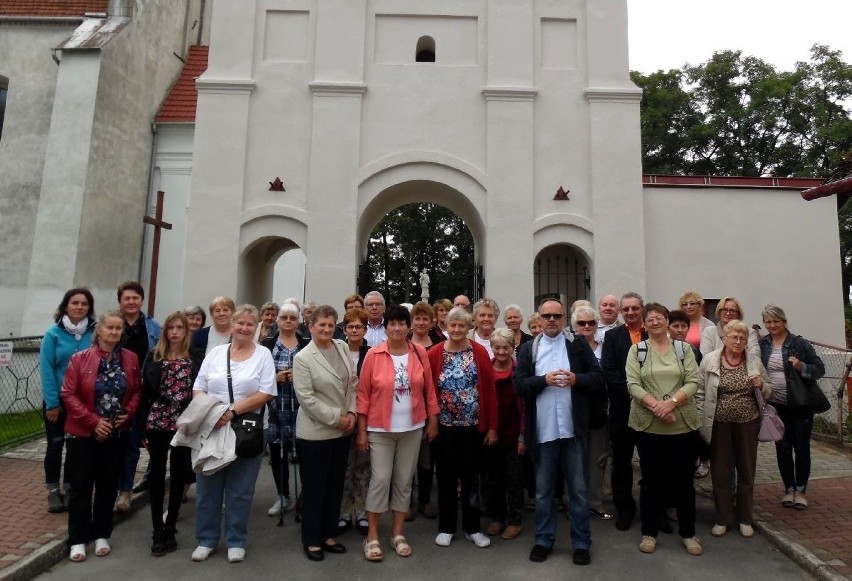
373, 405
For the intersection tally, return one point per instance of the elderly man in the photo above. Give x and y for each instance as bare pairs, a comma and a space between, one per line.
617, 343
608, 311
555, 376
374, 302
462, 301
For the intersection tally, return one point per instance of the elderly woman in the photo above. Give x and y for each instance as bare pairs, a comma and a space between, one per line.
71, 332
196, 317
783, 353
303, 330
282, 408
168, 375
485, 313
326, 383
584, 322
242, 375
396, 400
662, 379
730, 420
354, 503
728, 309
222, 311
535, 324
513, 317
441, 308
268, 318
691, 303
504, 465
467, 418
100, 392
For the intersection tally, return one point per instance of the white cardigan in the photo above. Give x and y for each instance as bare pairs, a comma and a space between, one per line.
212, 448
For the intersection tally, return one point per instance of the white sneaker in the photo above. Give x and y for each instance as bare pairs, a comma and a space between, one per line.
275, 509
719, 530
746, 531
444, 539
236, 555
201, 553
478, 539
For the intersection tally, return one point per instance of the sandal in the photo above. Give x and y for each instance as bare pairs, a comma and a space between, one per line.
400, 546
78, 553
123, 502
102, 548
373, 551
703, 470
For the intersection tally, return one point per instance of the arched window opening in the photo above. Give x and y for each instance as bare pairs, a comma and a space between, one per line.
425, 49
4, 90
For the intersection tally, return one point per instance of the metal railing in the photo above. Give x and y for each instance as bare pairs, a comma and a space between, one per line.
20, 393
836, 421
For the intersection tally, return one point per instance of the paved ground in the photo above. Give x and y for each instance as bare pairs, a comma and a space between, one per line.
820, 539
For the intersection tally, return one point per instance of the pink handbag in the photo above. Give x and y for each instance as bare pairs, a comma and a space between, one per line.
771, 426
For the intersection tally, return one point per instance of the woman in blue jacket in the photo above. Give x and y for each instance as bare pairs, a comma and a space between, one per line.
72, 332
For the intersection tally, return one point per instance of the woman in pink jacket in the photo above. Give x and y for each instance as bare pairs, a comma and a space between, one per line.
100, 392
396, 402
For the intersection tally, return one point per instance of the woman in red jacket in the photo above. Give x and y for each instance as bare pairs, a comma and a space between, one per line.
467, 403
100, 393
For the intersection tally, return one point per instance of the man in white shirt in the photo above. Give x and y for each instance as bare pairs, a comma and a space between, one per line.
555, 376
374, 302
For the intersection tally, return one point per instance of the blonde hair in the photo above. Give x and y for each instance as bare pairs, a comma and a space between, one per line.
505, 334
721, 305
690, 294
246, 310
735, 325
222, 302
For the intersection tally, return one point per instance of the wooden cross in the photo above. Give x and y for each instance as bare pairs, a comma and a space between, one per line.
158, 224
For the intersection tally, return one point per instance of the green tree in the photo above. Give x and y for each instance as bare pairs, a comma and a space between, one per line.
415, 237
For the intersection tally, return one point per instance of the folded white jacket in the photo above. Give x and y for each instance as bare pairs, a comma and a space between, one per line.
212, 447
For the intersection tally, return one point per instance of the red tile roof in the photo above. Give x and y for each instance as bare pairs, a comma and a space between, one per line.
179, 106
51, 7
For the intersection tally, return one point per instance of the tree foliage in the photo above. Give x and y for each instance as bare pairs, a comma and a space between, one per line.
739, 115
417, 237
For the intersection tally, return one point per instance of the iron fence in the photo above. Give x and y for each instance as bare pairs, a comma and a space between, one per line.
836, 421
20, 392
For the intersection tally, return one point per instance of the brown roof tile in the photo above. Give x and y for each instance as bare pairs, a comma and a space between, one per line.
51, 7
179, 106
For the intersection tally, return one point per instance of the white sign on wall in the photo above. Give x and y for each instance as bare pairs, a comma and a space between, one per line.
5, 353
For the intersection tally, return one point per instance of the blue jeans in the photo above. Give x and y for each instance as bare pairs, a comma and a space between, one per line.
235, 483
131, 456
571, 454
797, 439
55, 432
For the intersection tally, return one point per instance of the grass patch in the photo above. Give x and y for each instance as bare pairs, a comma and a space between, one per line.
16, 428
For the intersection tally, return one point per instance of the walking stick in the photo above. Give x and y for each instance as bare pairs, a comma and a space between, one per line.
282, 455
295, 462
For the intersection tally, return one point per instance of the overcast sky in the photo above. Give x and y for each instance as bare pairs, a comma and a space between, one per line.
665, 34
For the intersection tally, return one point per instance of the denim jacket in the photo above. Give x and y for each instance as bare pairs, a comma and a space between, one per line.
794, 345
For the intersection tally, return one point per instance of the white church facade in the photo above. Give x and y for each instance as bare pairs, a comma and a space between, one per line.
489, 108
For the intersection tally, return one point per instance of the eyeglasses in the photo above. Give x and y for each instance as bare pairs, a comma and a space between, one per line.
374, 305
354, 327
730, 311
631, 309
737, 338
690, 304
552, 316
586, 323
655, 319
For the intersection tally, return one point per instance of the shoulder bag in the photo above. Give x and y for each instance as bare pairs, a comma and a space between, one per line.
248, 427
771, 426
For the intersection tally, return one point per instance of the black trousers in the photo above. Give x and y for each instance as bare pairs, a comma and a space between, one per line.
158, 451
668, 467
92, 465
623, 440
322, 466
458, 455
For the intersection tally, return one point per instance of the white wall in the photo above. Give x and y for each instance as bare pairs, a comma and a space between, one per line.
759, 245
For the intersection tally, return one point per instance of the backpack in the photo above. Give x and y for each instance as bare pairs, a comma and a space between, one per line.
642, 351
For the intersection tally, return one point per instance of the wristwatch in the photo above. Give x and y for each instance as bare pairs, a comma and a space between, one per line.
674, 399
232, 410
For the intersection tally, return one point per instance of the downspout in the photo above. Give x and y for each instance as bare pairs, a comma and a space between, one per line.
201, 22
148, 198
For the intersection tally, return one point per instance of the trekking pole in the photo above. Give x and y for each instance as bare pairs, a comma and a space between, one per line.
295, 461
282, 454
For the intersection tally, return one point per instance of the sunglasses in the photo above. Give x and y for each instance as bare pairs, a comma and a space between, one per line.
552, 316
586, 323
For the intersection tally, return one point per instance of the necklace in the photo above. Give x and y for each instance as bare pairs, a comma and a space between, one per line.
729, 362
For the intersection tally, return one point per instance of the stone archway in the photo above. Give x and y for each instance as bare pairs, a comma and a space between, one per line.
264, 238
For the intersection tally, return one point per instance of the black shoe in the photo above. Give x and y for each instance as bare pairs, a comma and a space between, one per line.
582, 557
171, 543
336, 548
363, 526
142, 485
158, 546
623, 523
601, 514
314, 554
666, 526
539, 553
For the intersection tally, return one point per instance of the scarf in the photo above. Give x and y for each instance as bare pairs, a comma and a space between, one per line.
76, 330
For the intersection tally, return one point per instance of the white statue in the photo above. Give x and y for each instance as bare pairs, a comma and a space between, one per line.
424, 285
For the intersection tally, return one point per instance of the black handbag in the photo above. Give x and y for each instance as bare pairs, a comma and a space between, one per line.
805, 394
247, 427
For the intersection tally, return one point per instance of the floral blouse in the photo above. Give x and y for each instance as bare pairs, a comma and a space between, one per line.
175, 394
110, 385
458, 393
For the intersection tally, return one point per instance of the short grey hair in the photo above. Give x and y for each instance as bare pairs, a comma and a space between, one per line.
308, 305
513, 307
288, 308
489, 303
583, 310
269, 306
580, 303
632, 295
460, 314
246, 309
504, 333
374, 294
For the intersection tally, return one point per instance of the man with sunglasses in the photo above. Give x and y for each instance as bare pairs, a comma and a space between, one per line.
617, 343
556, 374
